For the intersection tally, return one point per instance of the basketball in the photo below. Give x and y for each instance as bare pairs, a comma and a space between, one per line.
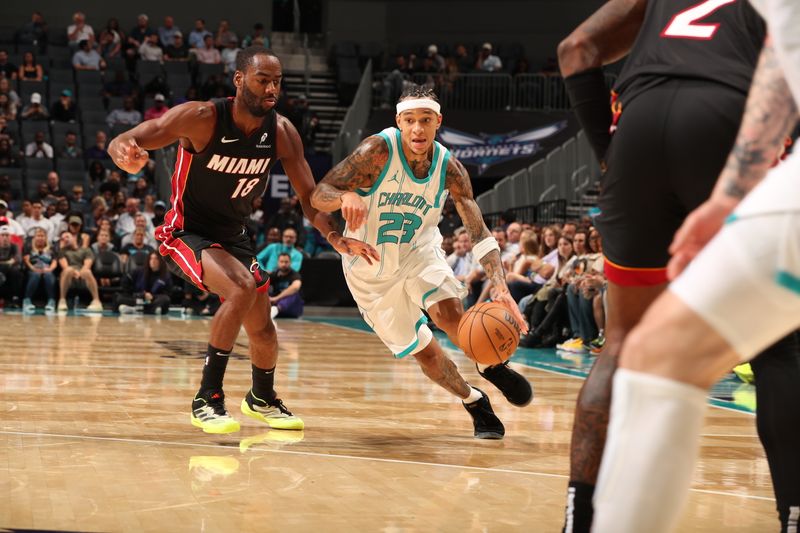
488, 333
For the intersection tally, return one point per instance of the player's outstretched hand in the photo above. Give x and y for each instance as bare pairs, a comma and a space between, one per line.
348, 246
697, 230
354, 210
129, 156
501, 295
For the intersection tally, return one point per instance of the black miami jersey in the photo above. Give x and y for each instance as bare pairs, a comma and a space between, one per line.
213, 190
712, 40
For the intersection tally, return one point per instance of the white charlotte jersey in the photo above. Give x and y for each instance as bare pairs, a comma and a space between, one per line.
783, 20
403, 211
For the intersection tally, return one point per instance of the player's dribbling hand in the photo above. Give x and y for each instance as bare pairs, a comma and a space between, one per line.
348, 246
129, 156
354, 210
697, 230
504, 297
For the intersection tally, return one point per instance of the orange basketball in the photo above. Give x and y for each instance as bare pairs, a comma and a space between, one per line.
488, 333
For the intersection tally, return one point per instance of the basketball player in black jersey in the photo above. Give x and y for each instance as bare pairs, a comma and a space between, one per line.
226, 149
676, 110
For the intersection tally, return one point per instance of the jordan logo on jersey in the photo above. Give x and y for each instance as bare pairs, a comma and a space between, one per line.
238, 165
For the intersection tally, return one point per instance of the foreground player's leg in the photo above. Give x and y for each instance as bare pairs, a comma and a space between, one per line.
224, 275
656, 418
625, 307
440, 369
777, 374
446, 314
262, 402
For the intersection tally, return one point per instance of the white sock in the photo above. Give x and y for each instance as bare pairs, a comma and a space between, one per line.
474, 395
651, 448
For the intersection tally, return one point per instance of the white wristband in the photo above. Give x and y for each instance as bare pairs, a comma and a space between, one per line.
484, 247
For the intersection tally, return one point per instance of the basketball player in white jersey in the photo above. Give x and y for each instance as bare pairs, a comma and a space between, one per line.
739, 294
391, 190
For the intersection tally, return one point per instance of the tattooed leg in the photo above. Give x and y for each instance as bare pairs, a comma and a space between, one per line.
436, 365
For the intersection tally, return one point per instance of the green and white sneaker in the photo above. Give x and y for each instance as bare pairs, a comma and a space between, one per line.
273, 413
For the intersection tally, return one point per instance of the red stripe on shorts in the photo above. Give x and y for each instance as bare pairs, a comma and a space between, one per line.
634, 277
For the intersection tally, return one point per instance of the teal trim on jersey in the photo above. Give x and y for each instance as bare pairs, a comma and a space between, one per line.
788, 281
420, 322
442, 177
427, 294
408, 168
733, 217
388, 164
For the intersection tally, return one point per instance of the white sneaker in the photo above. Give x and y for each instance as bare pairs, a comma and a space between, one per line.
62, 305
96, 306
273, 312
127, 310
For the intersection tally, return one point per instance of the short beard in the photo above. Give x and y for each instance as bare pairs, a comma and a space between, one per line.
251, 102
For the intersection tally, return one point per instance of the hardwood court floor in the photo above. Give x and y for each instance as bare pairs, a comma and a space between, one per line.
95, 436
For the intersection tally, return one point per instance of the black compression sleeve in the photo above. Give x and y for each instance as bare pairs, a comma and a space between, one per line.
591, 102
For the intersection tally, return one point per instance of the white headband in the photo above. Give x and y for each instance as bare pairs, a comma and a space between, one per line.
419, 103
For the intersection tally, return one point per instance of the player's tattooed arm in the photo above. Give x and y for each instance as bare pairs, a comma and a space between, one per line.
357, 171
769, 116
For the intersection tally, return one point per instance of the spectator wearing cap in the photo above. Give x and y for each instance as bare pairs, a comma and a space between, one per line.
10, 272
488, 62
75, 227
87, 58
98, 150
79, 31
64, 109
70, 149
127, 116
149, 50
137, 35
208, 53
197, 37
258, 37
39, 148
167, 32
159, 210
35, 110
438, 60
178, 50
225, 36
158, 109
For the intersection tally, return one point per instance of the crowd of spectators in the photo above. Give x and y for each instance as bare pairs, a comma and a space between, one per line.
554, 273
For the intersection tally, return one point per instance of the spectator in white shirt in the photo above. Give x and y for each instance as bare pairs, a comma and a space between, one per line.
488, 62
79, 31
126, 222
39, 148
37, 220
126, 116
150, 51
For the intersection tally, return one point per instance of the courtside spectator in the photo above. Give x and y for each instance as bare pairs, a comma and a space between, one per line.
40, 262
136, 247
284, 290
76, 271
151, 284
10, 273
